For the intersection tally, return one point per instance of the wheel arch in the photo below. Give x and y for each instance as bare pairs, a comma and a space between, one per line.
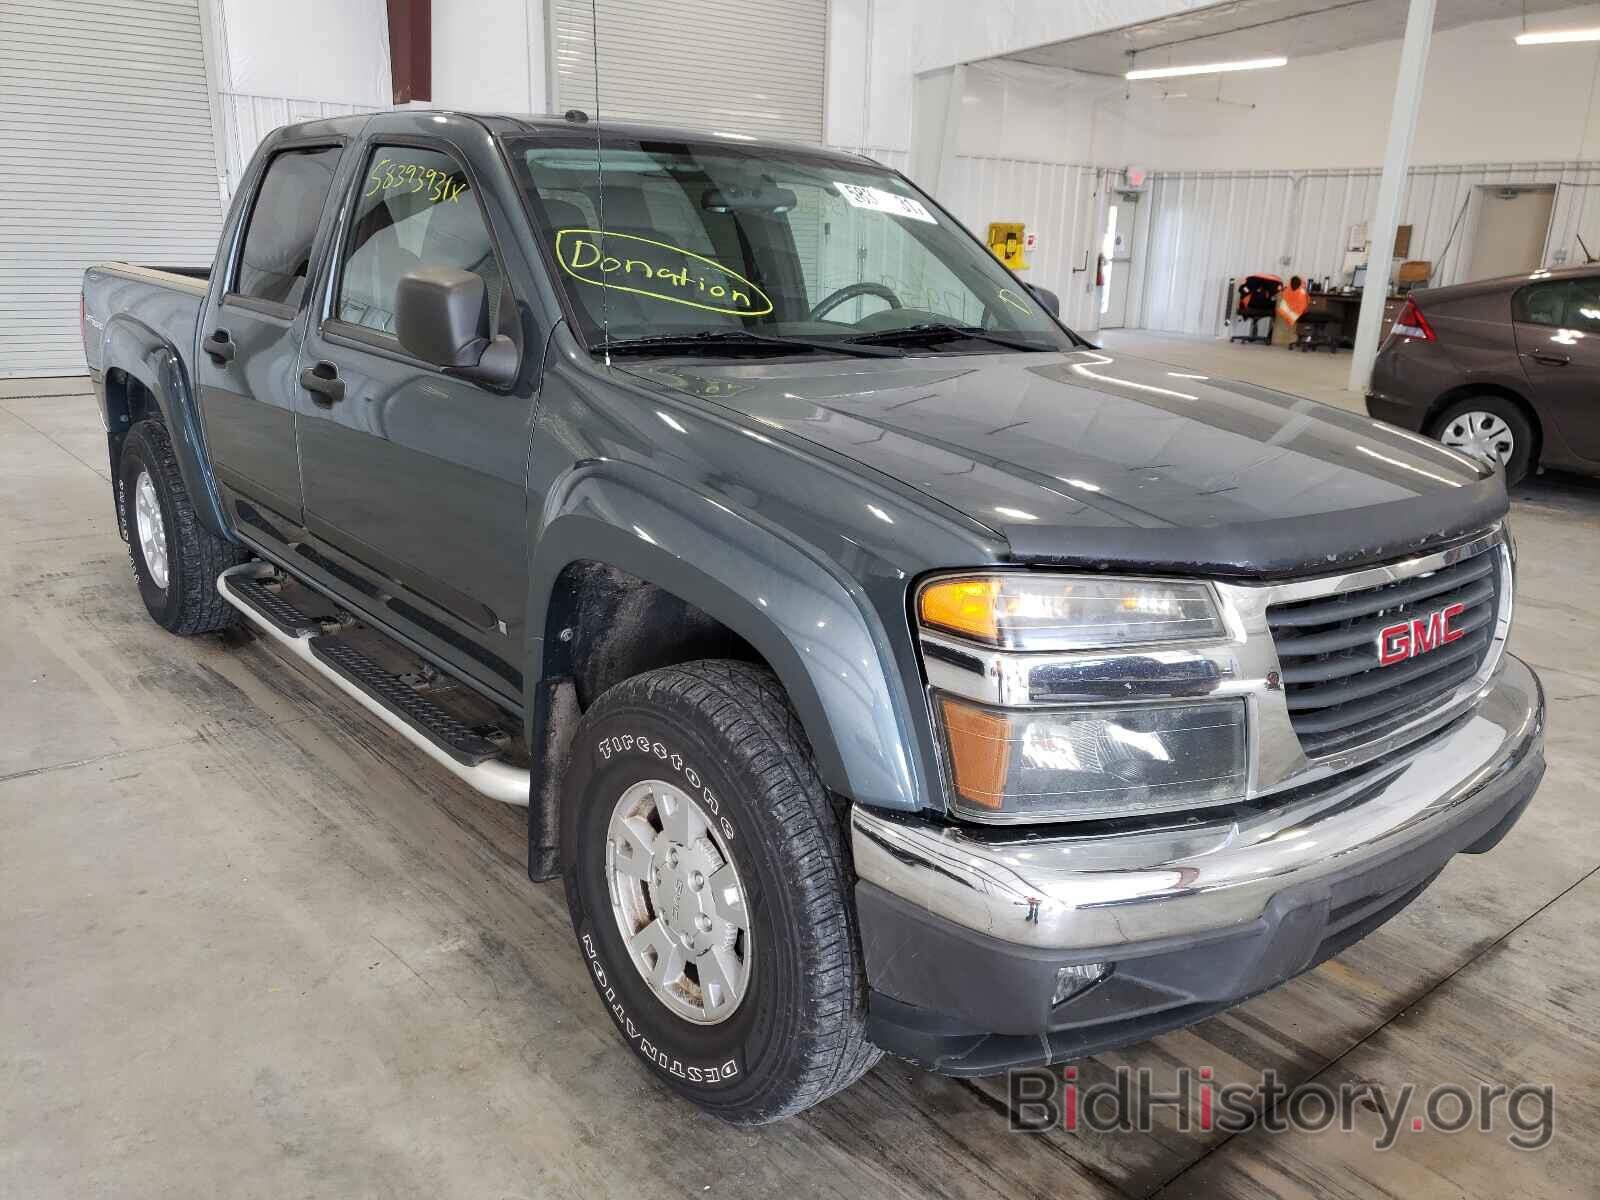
144, 375
674, 553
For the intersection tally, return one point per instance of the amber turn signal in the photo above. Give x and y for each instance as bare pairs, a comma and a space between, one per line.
980, 752
965, 606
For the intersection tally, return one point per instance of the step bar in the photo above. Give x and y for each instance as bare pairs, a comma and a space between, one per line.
493, 778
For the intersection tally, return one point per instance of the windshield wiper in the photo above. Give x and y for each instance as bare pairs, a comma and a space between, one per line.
935, 330
715, 340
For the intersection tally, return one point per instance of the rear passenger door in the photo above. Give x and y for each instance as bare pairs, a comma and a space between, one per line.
250, 333
414, 478
1558, 344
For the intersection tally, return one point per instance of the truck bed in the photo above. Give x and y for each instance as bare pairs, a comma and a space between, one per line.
166, 300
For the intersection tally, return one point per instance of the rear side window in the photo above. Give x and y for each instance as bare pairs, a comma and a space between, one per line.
416, 208
1583, 305
1541, 303
276, 258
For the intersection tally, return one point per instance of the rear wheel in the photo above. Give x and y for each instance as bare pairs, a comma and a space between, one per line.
706, 877
176, 560
1490, 428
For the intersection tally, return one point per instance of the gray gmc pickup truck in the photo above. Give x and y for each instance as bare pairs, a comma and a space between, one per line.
883, 666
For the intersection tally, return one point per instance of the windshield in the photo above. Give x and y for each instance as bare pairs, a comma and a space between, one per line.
718, 248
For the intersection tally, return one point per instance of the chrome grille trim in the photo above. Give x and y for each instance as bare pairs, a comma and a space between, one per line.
1244, 663
1337, 691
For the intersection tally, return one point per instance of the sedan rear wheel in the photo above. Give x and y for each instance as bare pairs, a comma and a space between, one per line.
1482, 435
1491, 429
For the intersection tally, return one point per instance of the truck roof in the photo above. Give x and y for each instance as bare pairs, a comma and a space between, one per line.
513, 124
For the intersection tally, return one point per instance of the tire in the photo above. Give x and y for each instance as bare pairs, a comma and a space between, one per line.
177, 575
721, 733
1459, 427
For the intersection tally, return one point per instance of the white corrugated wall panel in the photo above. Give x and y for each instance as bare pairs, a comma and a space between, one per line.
1206, 228
248, 119
707, 64
1061, 202
106, 151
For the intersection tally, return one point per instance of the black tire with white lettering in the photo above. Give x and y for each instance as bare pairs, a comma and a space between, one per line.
723, 733
181, 596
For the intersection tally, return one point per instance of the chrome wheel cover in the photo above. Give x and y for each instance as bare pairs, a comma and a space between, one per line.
1482, 435
151, 529
678, 902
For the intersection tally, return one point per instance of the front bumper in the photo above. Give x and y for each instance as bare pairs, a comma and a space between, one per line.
963, 930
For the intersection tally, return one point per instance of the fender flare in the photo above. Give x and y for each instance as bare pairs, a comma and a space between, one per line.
142, 353
814, 625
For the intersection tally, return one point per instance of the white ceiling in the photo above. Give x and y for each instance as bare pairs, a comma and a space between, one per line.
1258, 28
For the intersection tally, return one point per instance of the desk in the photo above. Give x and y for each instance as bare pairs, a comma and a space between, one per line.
1347, 308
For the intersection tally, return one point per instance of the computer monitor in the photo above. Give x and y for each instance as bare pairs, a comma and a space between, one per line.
1358, 277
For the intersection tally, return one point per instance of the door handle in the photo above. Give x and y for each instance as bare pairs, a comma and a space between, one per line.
1550, 359
323, 382
219, 346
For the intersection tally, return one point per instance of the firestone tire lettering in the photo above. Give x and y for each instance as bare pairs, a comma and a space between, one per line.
664, 1060
621, 744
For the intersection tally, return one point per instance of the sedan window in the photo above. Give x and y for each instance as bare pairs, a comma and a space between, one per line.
1583, 305
1541, 303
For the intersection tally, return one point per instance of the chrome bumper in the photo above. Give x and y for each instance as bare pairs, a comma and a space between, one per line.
1093, 891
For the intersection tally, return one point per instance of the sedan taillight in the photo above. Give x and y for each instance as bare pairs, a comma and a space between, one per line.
1411, 323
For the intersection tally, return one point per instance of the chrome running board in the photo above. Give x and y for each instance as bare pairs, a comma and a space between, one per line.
496, 779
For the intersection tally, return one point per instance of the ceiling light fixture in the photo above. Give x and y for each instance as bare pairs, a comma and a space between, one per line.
1549, 37
1243, 64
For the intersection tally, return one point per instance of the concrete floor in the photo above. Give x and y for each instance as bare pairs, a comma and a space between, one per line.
252, 945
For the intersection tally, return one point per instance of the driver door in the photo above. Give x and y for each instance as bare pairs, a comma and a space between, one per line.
413, 477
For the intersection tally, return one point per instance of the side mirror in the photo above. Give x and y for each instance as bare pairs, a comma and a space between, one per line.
442, 316
1046, 297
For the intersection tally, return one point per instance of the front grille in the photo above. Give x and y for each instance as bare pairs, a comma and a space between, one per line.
1338, 694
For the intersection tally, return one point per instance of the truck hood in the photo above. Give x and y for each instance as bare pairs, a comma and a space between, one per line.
1099, 459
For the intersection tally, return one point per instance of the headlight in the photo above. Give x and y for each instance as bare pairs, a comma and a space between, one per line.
1113, 758
1085, 763
1019, 610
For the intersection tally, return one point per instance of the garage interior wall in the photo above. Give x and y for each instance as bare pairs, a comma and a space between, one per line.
337, 64
96, 161
1209, 227
1061, 202
1231, 195
713, 64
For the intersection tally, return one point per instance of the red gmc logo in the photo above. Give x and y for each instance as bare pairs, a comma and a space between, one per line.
1407, 639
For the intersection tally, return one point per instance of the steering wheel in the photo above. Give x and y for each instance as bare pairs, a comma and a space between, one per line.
849, 292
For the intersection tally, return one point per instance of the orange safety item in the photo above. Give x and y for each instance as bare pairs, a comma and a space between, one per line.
1292, 303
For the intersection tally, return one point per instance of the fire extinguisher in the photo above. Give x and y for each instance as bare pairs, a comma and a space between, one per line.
1100, 270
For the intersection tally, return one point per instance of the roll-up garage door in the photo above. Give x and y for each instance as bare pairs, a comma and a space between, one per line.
106, 152
728, 65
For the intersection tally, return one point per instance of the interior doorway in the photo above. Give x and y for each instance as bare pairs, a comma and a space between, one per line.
1512, 225
1116, 249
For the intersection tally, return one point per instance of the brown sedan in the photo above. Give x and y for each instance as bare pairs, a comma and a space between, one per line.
1504, 369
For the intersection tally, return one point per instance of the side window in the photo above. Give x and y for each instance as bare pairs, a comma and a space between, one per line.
1541, 304
415, 209
1583, 305
276, 257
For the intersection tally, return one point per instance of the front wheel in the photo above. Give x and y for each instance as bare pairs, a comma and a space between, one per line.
706, 877
1490, 428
